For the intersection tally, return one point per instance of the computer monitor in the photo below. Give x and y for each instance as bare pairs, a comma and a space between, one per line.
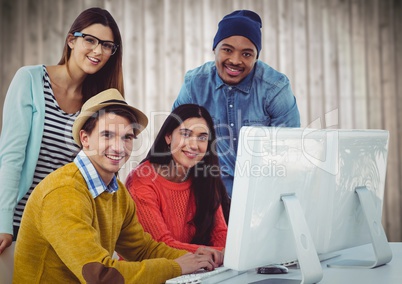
298, 193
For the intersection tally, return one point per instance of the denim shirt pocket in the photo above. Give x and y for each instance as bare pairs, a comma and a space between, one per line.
256, 122
219, 128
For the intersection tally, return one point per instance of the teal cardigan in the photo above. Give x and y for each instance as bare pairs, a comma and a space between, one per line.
20, 139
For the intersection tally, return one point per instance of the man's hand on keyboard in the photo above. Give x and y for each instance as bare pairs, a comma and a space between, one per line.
191, 262
216, 255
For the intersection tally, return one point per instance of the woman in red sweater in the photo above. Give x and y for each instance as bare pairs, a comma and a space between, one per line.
177, 188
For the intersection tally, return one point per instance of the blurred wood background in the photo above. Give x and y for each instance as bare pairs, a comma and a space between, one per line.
343, 58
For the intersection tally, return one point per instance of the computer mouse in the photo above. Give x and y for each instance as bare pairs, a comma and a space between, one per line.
272, 269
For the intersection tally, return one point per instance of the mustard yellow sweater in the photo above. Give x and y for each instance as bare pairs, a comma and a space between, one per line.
67, 236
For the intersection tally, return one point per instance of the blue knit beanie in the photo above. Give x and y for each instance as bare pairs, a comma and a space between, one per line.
243, 23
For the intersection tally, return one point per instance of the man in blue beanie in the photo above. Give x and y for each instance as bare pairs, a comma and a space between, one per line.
238, 89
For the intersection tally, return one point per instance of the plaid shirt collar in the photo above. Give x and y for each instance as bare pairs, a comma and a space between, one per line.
94, 182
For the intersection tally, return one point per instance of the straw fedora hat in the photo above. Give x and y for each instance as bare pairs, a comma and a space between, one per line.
109, 97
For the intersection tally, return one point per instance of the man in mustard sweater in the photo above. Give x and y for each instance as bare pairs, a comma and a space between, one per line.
81, 213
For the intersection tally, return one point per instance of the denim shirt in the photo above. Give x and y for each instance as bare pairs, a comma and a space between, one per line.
264, 97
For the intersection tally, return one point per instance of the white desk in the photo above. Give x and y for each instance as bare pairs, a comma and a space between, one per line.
391, 273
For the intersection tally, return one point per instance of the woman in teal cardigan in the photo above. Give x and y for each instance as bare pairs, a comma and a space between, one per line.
41, 105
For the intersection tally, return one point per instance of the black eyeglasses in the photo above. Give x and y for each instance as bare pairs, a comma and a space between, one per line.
91, 42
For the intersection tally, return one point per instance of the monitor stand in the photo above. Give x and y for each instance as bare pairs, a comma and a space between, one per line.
379, 240
308, 260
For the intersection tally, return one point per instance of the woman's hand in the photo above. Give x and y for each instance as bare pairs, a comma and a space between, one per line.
216, 255
191, 262
5, 241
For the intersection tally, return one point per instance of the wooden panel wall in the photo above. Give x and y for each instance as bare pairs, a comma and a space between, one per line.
343, 57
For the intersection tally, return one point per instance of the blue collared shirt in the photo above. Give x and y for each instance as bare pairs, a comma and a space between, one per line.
264, 97
95, 183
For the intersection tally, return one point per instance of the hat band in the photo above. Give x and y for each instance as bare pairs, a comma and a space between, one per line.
114, 101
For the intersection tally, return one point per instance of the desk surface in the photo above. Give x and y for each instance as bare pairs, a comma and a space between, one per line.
391, 273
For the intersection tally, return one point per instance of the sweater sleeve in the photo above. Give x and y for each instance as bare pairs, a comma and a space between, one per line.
220, 231
18, 115
150, 215
67, 229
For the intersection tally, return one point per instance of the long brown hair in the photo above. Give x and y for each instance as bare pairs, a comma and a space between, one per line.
208, 188
111, 75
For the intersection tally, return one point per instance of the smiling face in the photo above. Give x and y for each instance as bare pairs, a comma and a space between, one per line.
109, 144
87, 60
235, 57
189, 142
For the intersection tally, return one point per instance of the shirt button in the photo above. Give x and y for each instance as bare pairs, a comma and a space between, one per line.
230, 88
232, 124
230, 106
234, 139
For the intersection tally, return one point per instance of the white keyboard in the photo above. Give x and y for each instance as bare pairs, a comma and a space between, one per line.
203, 276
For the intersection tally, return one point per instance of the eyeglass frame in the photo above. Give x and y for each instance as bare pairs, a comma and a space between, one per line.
80, 34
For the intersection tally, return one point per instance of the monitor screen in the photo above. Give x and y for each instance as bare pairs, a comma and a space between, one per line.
321, 169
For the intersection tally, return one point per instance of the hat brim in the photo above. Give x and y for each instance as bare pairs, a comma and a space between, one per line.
142, 120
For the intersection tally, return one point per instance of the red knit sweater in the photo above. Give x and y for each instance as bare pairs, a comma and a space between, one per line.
165, 209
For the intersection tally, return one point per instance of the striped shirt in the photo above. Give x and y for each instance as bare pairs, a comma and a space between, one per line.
94, 182
57, 148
